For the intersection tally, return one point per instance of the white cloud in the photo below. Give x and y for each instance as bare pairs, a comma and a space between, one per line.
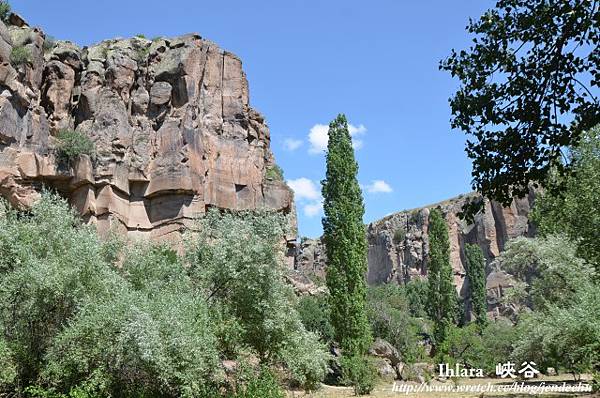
318, 137
313, 209
304, 189
357, 130
307, 195
291, 144
379, 186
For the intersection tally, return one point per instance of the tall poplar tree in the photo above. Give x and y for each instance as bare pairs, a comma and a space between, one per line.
345, 242
476, 276
443, 301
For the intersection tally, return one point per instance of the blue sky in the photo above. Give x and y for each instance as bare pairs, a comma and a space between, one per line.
307, 61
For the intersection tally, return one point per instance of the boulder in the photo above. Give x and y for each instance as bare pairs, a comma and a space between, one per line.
419, 372
385, 370
382, 349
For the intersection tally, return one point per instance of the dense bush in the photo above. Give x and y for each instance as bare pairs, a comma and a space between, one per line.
564, 336
359, 372
247, 282
72, 144
390, 318
260, 383
399, 236
416, 294
477, 348
575, 209
314, 312
548, 270
81, 317
20, 55
49, 43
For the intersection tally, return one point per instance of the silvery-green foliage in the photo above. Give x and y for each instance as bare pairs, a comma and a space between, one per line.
8, 369
81, 315
50, 265
548, 269
563, 336
71, 319
155, 337
305, 357
237, 261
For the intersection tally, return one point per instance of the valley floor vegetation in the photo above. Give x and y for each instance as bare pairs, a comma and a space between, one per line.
85, 318
552, 312
81, 317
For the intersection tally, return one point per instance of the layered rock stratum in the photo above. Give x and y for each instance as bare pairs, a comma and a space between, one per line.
170, 119
399, 245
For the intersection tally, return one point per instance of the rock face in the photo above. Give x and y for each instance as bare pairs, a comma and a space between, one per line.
399, 246
170, 120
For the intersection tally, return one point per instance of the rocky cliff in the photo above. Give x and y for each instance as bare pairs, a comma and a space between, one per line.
169, 118
399, 246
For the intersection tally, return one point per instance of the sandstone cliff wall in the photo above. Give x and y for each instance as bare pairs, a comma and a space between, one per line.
399, 245
170, 120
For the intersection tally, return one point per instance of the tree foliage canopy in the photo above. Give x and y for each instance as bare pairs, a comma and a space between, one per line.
529, 87
575, 209
345, 242
77, 314
477, 282
443, 301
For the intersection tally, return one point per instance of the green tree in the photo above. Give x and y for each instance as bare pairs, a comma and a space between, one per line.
547, 269
315, 314
244, 285
563, 336
528, 89
443, 301
388, 309
477, 280
575, 211
345, 242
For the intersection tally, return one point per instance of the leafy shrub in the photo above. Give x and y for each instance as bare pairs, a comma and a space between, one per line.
4, 10
477, 348
389, 317
258, 384
548, 269
247, 282
140, 36
572, 210
141, 53
560, 335
76, 324
415, 217
314, 312
399, 236
20, 55
274, 173
72, 144
359, 372
416, 294
8, 370
49, 43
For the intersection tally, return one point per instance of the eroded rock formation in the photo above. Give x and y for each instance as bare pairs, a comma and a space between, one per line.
169, 118
399, 246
